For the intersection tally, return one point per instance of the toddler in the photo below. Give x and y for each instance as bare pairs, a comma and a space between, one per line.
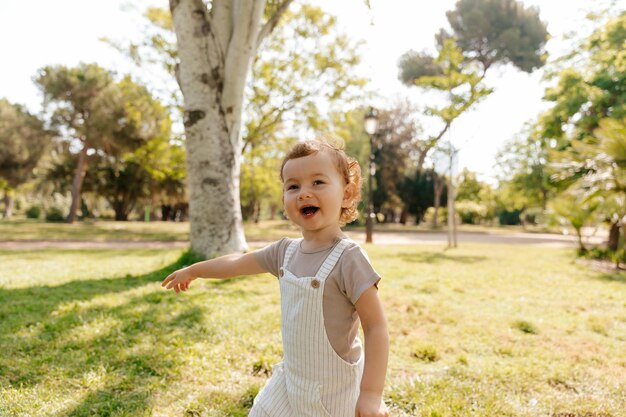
327, 286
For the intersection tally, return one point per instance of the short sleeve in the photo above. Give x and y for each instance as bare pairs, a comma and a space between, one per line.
271, 257
357, 273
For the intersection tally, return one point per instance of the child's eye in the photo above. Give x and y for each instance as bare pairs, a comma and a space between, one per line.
292, 187
317, 182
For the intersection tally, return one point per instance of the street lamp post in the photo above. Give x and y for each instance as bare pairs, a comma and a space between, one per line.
371, 126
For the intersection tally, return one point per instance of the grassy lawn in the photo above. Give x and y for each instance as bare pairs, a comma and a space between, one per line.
483, 330
21, 229
105, 230
27, 229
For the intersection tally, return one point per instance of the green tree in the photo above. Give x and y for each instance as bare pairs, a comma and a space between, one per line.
70, 97
596, 170
260, 180
393, 146
484, 33
468, 187
498, 32
458, 79
97, 114
585, 123
524, 174
307, 65
23, 141
417, 191
152, 174
575, 211
589, 89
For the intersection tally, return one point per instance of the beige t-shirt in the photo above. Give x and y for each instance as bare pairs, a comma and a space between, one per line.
351, 276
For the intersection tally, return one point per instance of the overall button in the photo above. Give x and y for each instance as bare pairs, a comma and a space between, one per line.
315, 283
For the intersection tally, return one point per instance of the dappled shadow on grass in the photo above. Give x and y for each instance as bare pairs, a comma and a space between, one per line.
437, 257
105, 337
617, 276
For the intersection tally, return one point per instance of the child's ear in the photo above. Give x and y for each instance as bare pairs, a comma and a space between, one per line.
349, 192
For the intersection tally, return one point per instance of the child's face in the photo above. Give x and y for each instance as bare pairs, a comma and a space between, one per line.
314, 192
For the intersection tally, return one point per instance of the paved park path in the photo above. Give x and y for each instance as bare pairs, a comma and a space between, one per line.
380, 237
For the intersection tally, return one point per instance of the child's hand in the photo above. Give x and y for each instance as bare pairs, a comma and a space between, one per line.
371, 405
178, 280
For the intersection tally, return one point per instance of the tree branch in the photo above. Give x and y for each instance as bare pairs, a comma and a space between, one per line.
222, 23
269, 26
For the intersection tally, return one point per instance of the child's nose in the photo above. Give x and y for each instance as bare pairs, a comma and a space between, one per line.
304, 193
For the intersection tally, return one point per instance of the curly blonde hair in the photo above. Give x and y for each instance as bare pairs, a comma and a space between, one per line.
347, 166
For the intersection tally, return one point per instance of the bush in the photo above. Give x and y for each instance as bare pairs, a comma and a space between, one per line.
534, 215
509, 218
604, 253
54, 214
442, 215
471, 212
33, 212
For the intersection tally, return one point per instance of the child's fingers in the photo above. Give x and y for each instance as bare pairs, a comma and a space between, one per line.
174, 283
169, 278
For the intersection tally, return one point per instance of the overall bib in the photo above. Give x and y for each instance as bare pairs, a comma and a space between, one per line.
312, 380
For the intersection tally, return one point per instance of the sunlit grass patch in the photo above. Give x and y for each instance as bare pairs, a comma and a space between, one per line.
55, 267
102, 230
137, 231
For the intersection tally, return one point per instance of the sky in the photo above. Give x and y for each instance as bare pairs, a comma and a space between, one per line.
36, 33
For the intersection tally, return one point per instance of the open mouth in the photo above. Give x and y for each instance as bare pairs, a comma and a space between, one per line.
309, 211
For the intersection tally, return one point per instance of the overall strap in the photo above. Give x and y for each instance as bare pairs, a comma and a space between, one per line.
290, 251
332, 259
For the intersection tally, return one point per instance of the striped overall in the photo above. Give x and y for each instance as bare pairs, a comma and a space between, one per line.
312, 380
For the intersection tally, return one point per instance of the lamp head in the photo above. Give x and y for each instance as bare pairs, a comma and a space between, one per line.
371, 121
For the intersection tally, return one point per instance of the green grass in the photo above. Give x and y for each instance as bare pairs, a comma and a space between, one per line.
483, 330
20, 229
105, 230
28, 229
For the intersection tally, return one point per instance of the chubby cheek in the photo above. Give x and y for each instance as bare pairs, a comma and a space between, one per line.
288, 204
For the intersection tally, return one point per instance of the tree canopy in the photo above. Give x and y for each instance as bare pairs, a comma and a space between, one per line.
484, 33
96, 114
498, 31
23, 141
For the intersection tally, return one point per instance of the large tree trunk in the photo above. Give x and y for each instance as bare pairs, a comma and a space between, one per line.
216, 49
122, 209
8, 203
215, 52
77, 183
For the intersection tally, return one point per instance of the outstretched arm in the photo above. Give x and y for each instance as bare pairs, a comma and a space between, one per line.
223, 267
370, 309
